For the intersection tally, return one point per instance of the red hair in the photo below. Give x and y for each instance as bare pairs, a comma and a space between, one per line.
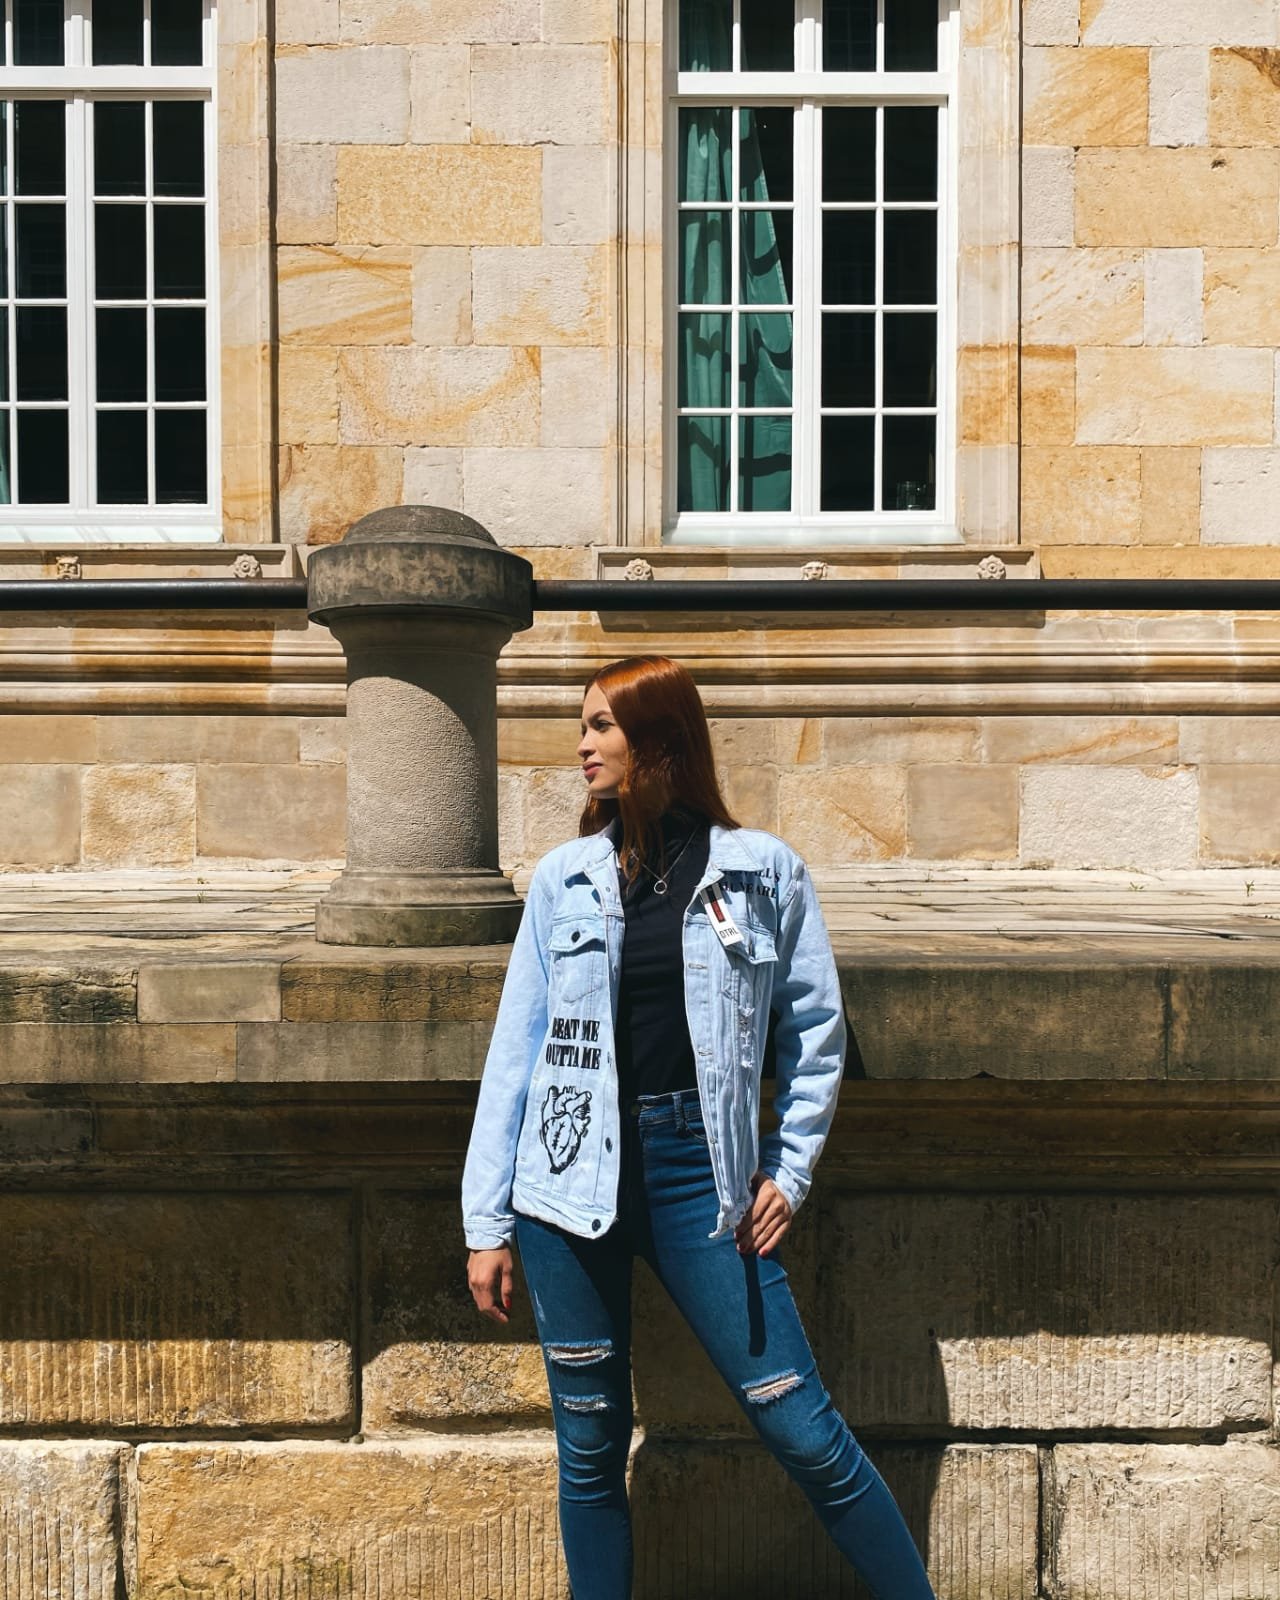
670, 763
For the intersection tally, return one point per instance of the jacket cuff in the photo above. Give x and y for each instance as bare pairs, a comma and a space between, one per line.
489, 1238
790, 1190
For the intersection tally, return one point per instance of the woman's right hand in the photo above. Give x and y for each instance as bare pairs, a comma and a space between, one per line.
489, 1277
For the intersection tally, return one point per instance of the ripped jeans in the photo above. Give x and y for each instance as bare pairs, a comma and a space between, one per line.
741, 1309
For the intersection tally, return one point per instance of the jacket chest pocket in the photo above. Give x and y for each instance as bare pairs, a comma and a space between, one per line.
748, 967
576, 951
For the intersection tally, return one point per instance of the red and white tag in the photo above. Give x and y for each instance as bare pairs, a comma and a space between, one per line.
727, 930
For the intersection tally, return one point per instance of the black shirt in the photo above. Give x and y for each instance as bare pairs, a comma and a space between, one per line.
655, 1053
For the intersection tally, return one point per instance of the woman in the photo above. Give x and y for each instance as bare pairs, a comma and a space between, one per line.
619, 1115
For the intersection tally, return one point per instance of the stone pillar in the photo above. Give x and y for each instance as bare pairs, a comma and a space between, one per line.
421, 600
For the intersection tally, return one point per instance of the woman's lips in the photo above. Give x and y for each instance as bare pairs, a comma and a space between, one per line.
590, 772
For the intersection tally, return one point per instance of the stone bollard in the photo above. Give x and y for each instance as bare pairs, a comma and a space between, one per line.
422, 601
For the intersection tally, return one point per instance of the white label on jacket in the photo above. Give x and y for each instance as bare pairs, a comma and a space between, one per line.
727, 930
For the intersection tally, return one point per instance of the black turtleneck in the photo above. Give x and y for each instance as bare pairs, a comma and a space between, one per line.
655, 1054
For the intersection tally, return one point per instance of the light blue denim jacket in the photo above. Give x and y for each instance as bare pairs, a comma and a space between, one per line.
545, 1140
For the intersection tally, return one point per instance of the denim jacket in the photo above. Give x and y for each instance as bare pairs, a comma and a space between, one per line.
546, 1138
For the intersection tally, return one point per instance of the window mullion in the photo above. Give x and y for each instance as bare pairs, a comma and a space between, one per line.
79, 297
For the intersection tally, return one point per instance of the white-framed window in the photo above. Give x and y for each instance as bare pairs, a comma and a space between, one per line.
810, 271
108, 269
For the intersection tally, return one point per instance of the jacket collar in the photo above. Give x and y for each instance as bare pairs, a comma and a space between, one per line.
725, 852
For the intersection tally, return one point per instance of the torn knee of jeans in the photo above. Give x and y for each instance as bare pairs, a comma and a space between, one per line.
582, 1354
774, 1388
584, 1402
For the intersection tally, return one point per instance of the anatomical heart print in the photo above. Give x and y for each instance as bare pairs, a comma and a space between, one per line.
565, 1115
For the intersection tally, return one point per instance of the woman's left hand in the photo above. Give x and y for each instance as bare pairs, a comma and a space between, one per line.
769, 1218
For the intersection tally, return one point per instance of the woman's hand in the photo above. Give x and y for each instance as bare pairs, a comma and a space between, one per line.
769, 1218
489, 1277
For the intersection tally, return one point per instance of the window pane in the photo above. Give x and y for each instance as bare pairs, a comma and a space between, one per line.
180, 355
768, 36
182, 472
117, 33
764, 359
40, 133
849, 35
179, 147
705, 153
705, 277
120, 249
706, 35
910, 258
122, 458
849, 153
911, 36
42, 352
849, 258
179, 238
910, 152
911, 359
848, 463
764, 464
702, 444
37, 33
122, 355
4, 139
42, 457
42, 252
6, 475
909, 464
704, 359
4, 367
848, 359
764, 153
120, 147
176, 33
4, 254
766, 257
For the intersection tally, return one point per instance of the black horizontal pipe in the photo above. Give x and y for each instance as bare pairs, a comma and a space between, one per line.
700, 596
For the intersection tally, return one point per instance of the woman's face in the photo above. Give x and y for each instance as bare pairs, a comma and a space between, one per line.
603, 747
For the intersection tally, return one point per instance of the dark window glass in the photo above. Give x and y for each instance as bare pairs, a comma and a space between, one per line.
849, 35
911, 359
849, 258
182, 471
765, 237
706, 35
40, 132
42, 458
37, 33
768, 36
122, 354
4, 258
4, 136
911, 36
120, 249
179, 147
910, 258
122, 458
848, 359
706, 171
764, 359
849, 153
910, 153
180, 354
4, 372
42, 251
176, 36
704, 358
6, 473
909, 462
117, 32
120, 147
179, 236
42, 352
705, 258
848, 463
703, 450
765, 162
764, 464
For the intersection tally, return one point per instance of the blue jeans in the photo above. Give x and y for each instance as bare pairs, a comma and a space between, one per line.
741, 1309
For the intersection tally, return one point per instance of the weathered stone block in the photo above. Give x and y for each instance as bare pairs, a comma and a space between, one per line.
325, 488
1244, 97
41, 822
360, 1052
306, 193
439, 194
139, 816
986, 384
306, 22
1080, 97
1075, 297
440, 986
1239, 814
906, 741
530, 498
140, 739
963, 813
440, 91
467, 396
1242, 296
548, 295
1081, 741
1048, 394
1075, 495
209, 991
540, 94
1051, 1311
1173, 304
435, 1517
579, 398
261, 813
1163, 22
1218, 741
93, 1052
1109, 817
308, 395
433, 477
75, 992
845, 813
1051, 22
1200, 1047
579, 194
752, 795
1241, 501
60, 1530
579, 21
1188, 197
1170, 495
1048, 196
175, 1310
1179, 89
537, 741
440, 21
442, 296
1173, 396
345, 96
33, 740
1148, 1521
340, 295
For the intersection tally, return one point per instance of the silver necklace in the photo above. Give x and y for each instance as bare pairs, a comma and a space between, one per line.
660, 883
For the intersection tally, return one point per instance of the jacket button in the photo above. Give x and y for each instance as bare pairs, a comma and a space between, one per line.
595, 1226
608, 1144
574, 937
